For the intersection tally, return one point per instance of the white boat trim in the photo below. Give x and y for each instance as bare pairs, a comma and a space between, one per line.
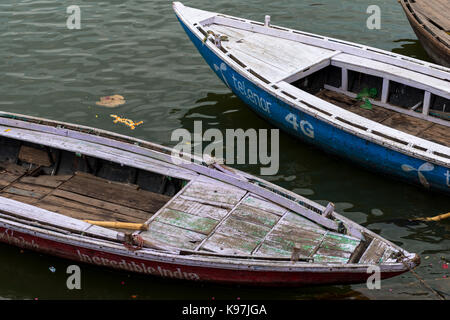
327, 112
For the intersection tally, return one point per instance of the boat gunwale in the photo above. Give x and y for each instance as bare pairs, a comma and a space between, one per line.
411, 17
155, 255
346, 221
197, 169
391, 144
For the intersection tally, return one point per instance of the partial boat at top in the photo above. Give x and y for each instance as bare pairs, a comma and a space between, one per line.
384, 111
430, 20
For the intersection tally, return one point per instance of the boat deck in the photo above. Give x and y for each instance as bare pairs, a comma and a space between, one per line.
277, 59
221, 220
229, 221
418, 127
436, 15
261, 52
81, 196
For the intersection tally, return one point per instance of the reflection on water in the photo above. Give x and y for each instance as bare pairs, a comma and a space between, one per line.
412, 48
138, 50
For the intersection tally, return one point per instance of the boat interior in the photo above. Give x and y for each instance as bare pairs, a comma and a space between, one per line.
293, 62
202, 216
79, 186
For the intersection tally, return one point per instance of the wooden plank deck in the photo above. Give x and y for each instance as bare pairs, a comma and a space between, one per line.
81, 196
231, 222
418, 127
437, 11
261, 52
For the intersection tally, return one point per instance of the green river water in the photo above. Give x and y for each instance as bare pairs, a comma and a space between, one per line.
137, 49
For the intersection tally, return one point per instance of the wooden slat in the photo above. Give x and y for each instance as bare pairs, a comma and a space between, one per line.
265, 205
13, 168
435, 10
374, 252
126, 211
94, 188
214, 191
255, 216
377, 114
437, 133
407, 123
24, 199
172, 240
172, 236
198, 209
227, 244
46, 180
82, 211
44, 216
238, 228
35, 156
186, 221
30, 187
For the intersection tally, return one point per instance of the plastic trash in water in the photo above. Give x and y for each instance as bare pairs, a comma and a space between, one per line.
52, 269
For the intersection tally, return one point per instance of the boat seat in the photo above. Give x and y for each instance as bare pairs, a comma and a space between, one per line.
385, 70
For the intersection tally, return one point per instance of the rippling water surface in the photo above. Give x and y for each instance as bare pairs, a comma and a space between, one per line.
136, 48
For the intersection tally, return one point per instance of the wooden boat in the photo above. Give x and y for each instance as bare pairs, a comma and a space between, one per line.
430, 20
383, 111
197, 221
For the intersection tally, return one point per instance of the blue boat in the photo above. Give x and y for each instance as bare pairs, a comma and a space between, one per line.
386, 112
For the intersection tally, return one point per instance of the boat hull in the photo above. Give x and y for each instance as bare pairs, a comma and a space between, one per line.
435, 49
329, 138
125, 262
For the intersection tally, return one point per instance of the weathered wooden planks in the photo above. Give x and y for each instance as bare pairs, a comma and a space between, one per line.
407, 123
198, 209
377, 114
54, 219
187, 221
46, 180
230, 244
256, 202
214, 191
106, 205
118, 194
374, 252
172, 236
437, 133
255, 216
35, 156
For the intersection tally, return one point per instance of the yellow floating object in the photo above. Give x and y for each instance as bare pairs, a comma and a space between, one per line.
436, 218
119, 225
127, 122
111, 101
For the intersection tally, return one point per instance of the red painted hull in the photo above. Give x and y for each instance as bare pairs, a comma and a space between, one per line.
180, 271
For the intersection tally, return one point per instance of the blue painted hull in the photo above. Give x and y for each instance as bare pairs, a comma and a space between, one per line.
324, 135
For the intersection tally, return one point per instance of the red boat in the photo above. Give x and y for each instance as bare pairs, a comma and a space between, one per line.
75, 192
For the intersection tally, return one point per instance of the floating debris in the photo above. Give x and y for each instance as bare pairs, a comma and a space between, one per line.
436, 218
128, 122
52, 269
111, 101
